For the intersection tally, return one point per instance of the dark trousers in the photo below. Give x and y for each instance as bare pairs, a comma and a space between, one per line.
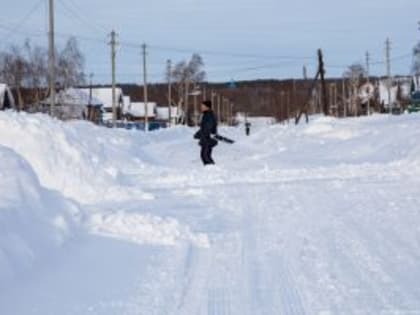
206, 154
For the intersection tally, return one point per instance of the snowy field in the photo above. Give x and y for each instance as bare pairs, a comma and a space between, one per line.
317, 219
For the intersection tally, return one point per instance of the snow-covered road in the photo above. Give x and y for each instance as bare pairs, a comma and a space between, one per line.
315, 219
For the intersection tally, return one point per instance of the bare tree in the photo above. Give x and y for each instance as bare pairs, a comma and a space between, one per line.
37, 69
13, 69
355, 73
188, 75
70, 64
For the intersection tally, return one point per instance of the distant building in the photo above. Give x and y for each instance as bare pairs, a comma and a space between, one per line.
162, 114
75, 103
104, 94
7, 100
136, 111
399, 93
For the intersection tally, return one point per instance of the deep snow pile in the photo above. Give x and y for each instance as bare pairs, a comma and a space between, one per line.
81, 161
34, 222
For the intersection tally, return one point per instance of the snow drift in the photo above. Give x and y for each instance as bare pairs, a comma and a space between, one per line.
82, 161
34, 222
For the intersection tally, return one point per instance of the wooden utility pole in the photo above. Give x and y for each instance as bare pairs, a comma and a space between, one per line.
219, 105
368, 81
186, 92
146, 114
169, 73
231, 114
226, 108
388, 72
324, 87
114, 98
288, 106
320, 73
51, 59
195, 109
281, 107
344, 97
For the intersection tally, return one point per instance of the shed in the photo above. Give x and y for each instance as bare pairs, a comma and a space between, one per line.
136, 111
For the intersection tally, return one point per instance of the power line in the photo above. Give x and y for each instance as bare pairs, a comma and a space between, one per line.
74, 13
230, 54
13, 30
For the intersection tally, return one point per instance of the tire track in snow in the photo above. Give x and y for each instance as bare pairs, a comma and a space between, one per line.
273, 282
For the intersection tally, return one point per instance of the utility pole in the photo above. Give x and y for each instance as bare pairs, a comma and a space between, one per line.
231, 113
146, 114
90, 88
113, 44
219, 114
288, 106
321, 71
388, 72
281, 107
368, 81
51, 59
169, 71
344, 97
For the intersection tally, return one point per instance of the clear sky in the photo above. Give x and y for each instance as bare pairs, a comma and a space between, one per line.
238, 39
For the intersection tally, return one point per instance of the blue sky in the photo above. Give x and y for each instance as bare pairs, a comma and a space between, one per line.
237, 39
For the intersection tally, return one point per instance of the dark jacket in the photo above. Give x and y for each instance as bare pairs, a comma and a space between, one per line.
208, 127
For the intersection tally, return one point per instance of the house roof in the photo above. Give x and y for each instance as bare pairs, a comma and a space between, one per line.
162, 112
104, 95
138, 109
77, 97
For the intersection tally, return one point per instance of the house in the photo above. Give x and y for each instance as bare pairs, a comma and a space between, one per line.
162, 114
136, 111
104, 95
76, 104
7, 100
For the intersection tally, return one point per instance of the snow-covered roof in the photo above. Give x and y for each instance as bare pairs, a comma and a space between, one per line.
76, 97
162, 112
138, 109
105, 95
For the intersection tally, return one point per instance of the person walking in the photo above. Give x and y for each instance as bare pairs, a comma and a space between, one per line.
208, 127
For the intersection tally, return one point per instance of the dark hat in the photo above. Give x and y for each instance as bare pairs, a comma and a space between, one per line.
207, 103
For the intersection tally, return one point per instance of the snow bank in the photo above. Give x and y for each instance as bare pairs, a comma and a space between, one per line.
33, 221
84, 162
